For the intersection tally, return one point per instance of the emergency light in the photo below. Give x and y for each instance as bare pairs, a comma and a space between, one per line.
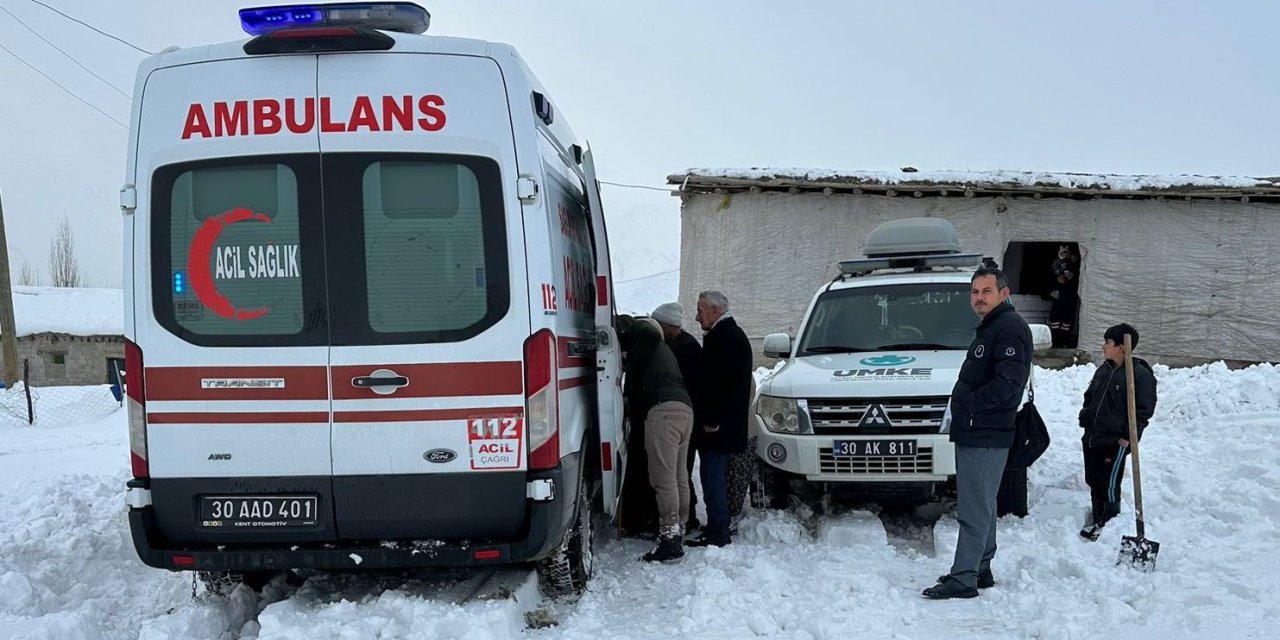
402, 17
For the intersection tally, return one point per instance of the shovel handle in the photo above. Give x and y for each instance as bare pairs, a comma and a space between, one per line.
1133, 433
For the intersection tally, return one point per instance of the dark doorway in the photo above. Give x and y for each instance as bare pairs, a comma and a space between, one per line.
1045, 280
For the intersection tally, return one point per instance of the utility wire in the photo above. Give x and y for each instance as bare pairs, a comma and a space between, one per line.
663, 273
632, 186
69, 56
82, 22
59, 85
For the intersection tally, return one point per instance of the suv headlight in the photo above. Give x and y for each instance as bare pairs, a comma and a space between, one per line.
780, 415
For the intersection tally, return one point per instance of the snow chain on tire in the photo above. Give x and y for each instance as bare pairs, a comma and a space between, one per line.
566, 571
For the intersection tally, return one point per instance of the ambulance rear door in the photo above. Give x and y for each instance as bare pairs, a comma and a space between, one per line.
427, 299
228, 282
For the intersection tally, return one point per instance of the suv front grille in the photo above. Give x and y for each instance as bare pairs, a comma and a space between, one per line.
922, 462
840, 416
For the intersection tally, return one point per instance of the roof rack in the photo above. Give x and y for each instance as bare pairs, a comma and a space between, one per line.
925, 262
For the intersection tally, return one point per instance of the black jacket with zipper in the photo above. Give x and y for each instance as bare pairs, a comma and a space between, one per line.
989, 388
724, 389
1105, 413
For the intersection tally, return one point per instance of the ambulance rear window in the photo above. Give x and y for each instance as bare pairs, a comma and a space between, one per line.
423, 246
245, 219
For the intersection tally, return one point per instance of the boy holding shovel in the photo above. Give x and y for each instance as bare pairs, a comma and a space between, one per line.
1104, 418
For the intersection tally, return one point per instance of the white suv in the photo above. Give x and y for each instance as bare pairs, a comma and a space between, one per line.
860, 405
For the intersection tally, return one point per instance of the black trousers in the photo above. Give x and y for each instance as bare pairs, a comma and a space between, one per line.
1104, 473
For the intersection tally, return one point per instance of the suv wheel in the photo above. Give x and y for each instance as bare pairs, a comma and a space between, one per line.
565, 572
770, 488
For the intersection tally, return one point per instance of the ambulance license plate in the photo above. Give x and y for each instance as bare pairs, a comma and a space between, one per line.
258, 512
851, 448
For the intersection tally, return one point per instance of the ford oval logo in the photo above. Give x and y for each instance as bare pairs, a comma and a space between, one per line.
440, 456
887, 361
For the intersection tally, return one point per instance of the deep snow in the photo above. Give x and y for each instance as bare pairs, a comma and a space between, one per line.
1211, 464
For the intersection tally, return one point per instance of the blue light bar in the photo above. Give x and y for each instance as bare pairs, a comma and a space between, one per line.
179, 282
401, 17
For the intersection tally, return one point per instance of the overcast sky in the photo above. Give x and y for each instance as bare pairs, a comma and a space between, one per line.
659, 86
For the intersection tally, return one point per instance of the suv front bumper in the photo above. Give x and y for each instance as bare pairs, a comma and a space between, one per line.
810, 456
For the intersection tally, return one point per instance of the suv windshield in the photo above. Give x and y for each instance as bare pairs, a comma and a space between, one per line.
891, 317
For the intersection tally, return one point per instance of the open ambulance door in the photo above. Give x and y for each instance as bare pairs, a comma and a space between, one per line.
613, 447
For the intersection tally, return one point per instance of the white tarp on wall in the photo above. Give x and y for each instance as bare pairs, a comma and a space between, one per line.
1196, 278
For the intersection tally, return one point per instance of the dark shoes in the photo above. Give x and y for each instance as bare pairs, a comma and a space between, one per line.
985, 580
1091, 532
949, 588
704, 541
669, 549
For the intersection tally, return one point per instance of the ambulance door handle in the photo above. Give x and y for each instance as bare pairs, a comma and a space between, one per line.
381, 381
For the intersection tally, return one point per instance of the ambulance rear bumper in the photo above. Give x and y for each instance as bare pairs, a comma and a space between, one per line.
545, 524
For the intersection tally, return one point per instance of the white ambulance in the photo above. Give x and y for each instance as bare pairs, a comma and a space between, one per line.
368, 305
860, 405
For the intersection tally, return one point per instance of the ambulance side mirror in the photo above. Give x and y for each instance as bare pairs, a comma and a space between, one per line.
777, 345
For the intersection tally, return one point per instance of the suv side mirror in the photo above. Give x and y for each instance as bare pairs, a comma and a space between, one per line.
778, 345
1041, 337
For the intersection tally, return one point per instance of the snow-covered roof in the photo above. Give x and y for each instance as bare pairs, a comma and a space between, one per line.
910, 181
78, 312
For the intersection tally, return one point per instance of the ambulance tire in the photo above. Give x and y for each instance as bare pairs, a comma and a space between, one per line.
222, 583
564, 574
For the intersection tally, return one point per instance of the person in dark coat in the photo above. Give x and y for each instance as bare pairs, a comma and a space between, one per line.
1066, 296
638, 505
724, 387
1104, 417
984, 403
657, 398
670, 317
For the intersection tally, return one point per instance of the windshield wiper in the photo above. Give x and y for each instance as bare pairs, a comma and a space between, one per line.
918, 345
835, 348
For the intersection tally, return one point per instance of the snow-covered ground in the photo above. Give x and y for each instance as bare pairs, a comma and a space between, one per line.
1211, 465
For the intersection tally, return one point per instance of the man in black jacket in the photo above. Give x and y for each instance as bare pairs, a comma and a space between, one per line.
983, 405
670, 317
1105, 420
724, 387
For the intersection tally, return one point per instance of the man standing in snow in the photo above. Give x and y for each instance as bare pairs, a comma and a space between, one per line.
657, 398
725, 389
1105, 420
670, 317
984, 403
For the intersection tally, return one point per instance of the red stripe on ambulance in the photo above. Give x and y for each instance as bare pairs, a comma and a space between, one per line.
270, 116
220, 383
436, 380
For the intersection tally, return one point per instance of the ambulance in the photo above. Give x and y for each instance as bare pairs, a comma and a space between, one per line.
369, 309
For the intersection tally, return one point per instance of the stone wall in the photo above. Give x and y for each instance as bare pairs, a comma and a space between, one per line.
59, 359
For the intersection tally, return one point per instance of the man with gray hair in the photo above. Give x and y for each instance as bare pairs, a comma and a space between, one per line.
724, 385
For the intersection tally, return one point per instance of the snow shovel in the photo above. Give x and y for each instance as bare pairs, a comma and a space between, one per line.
1135, 551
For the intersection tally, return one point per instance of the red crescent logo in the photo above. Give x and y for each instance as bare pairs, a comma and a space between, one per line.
201, 275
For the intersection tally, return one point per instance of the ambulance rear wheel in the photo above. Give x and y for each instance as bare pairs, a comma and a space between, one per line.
566, 571
224, 582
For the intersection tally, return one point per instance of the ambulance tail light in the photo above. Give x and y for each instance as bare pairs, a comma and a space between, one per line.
135, 391
541, 391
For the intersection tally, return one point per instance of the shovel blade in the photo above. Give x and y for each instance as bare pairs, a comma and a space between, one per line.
1138, 553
